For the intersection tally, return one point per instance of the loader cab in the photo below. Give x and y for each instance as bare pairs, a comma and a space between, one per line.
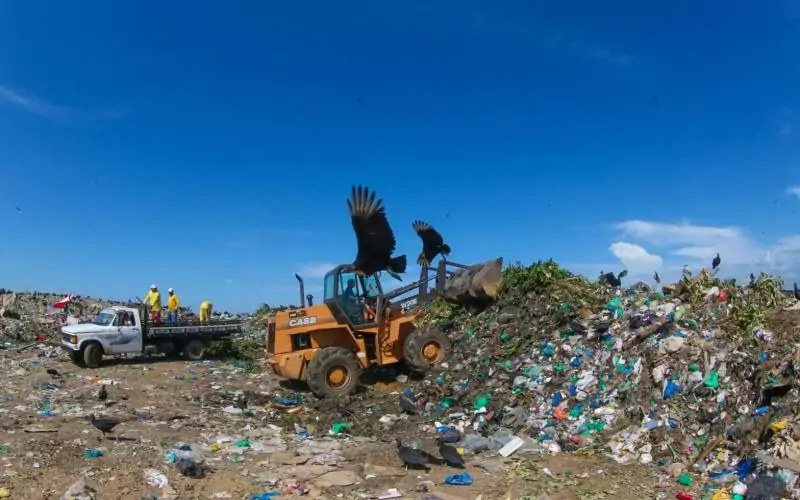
353, 299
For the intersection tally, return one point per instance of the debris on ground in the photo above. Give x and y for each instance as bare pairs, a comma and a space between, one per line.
567, 387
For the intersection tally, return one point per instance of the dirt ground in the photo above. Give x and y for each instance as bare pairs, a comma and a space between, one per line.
45, 434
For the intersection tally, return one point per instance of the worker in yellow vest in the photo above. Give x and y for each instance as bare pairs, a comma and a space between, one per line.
205, 311
173, 304
153, 299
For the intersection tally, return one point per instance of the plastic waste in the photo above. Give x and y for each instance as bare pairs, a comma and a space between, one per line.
464, 479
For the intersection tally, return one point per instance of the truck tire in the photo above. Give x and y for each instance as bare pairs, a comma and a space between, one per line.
193, 350
76, 357
92, 355
424, 349
334, 372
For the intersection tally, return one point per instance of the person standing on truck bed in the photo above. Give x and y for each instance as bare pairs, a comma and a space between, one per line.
205, 311
173, 304
153, 298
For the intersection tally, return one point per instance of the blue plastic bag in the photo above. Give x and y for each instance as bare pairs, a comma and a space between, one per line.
464, 479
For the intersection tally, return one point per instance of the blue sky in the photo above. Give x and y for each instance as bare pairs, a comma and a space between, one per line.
212, 147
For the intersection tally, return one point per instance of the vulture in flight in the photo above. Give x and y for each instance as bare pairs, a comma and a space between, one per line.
432, 243
612, 280
375, 238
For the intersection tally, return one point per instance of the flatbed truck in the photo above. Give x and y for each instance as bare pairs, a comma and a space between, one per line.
126, 330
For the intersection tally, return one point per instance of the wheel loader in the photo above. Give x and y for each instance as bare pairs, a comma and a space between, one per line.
358, 325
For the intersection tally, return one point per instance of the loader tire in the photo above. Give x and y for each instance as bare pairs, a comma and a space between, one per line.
424, 349
334, 372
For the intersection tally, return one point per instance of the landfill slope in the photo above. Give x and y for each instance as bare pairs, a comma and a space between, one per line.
697, 380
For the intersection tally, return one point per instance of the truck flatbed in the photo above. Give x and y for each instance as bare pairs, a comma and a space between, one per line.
194, 328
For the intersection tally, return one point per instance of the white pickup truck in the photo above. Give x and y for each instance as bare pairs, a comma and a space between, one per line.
124, 330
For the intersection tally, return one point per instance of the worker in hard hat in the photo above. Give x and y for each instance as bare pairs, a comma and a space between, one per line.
153, 299
205, 311
173, 304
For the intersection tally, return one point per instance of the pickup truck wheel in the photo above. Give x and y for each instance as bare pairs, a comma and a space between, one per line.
334, 372
424, 349
92, 355
194, 350
76, 357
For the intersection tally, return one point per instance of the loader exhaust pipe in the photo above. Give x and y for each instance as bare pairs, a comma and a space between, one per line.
302, 291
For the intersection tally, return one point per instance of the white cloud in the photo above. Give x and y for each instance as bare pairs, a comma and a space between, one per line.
687, 244
697, 244
793, 191
41, 108
637, 260
316, 270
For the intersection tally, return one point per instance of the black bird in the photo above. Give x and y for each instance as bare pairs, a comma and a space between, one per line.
412, 459
190, 468
53, 373
657, 277
432, 243
103, 394
240, 402
716, 262
450, 455
408, 405
796, 292
613, 280
104, 425
375, 238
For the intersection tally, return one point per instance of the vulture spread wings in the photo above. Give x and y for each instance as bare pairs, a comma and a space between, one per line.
375, 238
432, 242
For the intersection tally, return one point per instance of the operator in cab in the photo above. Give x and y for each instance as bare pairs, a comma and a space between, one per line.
205, 311
153, 299
349, 301
173, 304
349, 293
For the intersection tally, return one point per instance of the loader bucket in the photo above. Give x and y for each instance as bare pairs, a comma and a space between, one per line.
475, 286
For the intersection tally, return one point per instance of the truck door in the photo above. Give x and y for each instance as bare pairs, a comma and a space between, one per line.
128, 335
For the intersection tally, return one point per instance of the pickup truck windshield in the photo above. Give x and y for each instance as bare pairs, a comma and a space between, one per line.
103, 319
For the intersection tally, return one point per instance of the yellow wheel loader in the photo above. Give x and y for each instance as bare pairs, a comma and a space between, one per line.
358, 325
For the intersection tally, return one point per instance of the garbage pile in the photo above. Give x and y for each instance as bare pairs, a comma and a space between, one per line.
27, 317
697, 380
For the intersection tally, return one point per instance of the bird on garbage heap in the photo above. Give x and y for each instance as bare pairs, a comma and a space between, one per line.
432, 243
240, 402
375, 238
611, 279
53, 373
408, 405
450, 454
716, 262
412, 459
796, 292
103, 394
104, 425
657, 277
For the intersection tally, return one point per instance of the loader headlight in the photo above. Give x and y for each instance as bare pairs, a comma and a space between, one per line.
73, 339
